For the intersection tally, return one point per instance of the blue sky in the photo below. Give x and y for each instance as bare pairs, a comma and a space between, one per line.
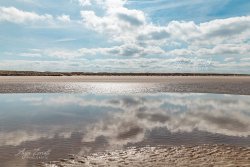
125, 35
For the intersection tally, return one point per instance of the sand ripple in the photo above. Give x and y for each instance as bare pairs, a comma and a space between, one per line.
202, 155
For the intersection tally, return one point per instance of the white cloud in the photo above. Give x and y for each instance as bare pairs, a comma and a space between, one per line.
133, 34
226, 27
84, 2
12, 14
218, 50
111, 65
27, 54
228, 59
118, 22
64, 18
216, 37
129, 50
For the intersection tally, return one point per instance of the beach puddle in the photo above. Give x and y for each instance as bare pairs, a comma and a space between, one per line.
52, 127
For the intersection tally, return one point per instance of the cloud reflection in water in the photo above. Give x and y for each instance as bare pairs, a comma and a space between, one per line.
122, 119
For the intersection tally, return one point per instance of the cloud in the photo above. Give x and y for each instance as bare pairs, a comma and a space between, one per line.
217, 50
109, 64
226, 27
14, 15
130, 19
64, 18
84, 2
113, 65
153, 33
126, 50
229, 59
213, 38
131, 34
55, 52
27, 54
117, 21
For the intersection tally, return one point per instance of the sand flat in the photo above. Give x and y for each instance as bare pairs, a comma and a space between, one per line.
202, 155
125, 84
186, 79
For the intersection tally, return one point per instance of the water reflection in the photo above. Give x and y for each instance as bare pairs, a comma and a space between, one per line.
227, 115
82, 123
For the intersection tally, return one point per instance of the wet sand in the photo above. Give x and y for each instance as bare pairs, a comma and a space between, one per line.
203, 155
154, 79
128, 84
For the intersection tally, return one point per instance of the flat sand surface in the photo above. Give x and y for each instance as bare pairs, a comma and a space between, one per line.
154, 79
203, 155
125, 84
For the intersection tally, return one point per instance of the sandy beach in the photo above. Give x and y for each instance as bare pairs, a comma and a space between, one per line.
202, 155
214, 154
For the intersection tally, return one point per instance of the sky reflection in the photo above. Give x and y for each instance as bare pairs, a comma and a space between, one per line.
87, 123
120, 119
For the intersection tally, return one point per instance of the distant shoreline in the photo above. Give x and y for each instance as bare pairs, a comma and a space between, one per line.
36, 73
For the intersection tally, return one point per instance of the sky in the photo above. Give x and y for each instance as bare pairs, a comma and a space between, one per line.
125, 35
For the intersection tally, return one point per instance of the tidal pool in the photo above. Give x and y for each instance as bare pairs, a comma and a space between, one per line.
46, 127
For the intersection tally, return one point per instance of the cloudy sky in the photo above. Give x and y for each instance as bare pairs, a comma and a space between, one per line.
125, 35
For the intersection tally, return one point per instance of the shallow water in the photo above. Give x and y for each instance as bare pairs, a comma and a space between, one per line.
56, 125
233, 86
